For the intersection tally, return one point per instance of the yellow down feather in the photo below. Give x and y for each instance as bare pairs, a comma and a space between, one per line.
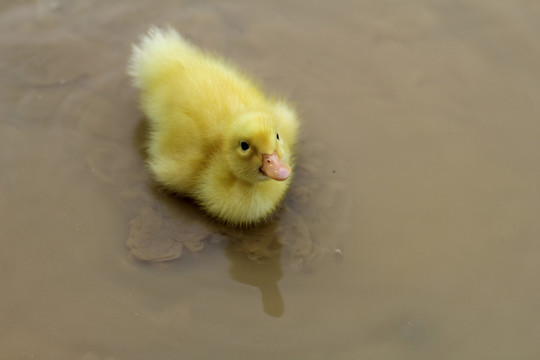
202, 112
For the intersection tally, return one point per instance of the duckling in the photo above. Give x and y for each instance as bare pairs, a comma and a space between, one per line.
214, 136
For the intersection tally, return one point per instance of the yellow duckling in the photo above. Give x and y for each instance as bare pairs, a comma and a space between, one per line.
214, 136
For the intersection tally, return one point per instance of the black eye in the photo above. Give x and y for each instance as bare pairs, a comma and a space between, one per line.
277, 135
244, 145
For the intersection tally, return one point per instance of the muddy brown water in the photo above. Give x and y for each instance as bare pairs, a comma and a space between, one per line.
412, 230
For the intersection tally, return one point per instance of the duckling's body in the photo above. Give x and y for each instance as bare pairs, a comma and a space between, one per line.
214, 136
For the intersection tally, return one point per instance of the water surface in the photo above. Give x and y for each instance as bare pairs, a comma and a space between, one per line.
411, 231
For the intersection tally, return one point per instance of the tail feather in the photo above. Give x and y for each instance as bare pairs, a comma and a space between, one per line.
158, 49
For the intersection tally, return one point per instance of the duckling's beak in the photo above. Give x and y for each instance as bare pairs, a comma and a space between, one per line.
274, 168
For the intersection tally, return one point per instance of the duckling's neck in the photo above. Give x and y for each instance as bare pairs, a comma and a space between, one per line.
240, 201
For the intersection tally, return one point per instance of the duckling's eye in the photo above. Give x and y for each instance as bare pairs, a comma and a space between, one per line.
277, 136
244, 145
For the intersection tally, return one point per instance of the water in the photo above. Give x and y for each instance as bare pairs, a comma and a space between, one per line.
411, 231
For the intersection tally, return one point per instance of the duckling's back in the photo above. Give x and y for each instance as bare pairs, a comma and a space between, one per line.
175, 76
190, 99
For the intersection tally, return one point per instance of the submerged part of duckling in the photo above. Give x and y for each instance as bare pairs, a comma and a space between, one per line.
214, 136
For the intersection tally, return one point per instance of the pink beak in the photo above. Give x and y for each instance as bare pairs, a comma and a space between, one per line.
274, 168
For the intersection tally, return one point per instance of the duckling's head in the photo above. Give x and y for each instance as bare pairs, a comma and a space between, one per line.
257, 152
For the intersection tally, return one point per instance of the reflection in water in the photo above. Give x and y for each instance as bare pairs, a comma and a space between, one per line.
263, 271
175, 226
